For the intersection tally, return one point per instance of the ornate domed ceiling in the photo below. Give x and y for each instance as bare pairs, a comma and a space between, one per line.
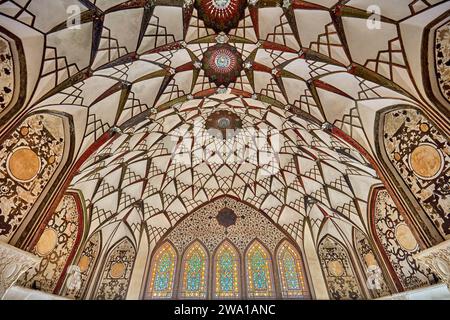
278, 162
320, 114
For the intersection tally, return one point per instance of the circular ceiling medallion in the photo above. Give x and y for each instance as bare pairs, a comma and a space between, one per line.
426, 161
117, 270
47, 242
226, 217
84, 263
221, 15
405, 237
23, 164
336, 268
223, 124
222, 64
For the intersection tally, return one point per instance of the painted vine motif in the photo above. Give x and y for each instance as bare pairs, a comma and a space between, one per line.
6, 74
442, 58
421, 155
54, 246
340, 277
86, 263
115, 277
376, 279
398, 242
28, 160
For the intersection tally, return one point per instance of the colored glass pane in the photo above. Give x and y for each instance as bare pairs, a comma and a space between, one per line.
259, 272
194, 272
289, 266
226, 272
163, 271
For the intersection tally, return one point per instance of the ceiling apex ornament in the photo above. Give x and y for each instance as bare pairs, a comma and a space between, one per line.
222, 38
222, 64
253, 2
286, 4
223, 124
221, 15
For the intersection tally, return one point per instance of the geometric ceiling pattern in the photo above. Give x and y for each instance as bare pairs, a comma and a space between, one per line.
126, 59
210, 98
163, 168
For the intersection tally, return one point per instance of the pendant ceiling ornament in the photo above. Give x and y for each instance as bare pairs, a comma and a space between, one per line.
221, 15
296, 82
222, 64
223, 124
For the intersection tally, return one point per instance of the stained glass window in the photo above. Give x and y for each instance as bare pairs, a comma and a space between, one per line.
259, 272
194, 270
290, 269
226, 277
163, 272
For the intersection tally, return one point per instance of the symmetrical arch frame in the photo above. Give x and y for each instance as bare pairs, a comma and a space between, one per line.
242, 258
424, 229
33, 224
351, 260
213, 273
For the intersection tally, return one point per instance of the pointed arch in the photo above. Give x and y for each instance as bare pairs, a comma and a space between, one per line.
87, 262
413, 149
34, 158
162, 274
194, 272
258, 266
396, 241
291, 274
339, 270
114, 279
377, 279
227, 275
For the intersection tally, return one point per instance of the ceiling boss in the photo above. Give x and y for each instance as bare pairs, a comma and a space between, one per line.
221, 15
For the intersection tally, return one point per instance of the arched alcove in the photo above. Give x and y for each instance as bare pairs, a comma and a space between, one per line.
416, 152
239, 253
32, 158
